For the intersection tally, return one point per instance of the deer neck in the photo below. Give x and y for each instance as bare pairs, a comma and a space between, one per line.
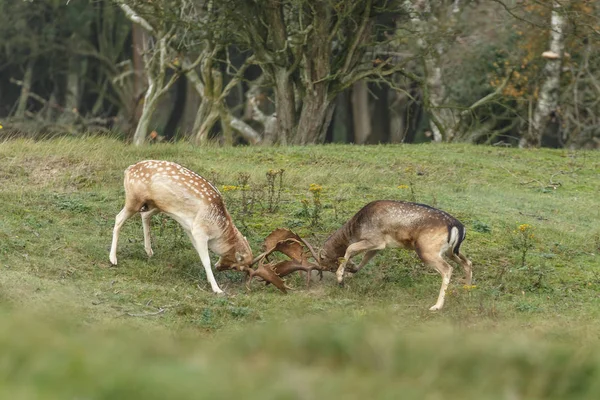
335, 246
230, 239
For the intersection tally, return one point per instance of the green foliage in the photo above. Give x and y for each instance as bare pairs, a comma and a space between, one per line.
481, 227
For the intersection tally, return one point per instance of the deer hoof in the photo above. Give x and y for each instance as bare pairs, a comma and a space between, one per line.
113, 260
149, 252
435, 308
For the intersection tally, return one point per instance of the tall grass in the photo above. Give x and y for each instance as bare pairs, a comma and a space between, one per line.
366, 358
74, 327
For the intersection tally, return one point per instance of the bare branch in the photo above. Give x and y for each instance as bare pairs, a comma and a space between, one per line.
236, 78
357, 39
245, 130
489, 97
134, 17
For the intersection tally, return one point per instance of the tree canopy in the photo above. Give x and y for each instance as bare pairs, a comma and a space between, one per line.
298, 71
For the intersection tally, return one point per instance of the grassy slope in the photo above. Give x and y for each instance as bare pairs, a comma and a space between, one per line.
510, 336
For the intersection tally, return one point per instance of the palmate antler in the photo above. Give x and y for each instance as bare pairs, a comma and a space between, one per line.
268, 274
290, 244
265, 272
286, 242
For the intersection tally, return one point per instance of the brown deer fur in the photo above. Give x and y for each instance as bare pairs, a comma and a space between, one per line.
432, 233
162, 186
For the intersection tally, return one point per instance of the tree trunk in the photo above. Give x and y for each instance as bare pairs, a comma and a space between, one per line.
178, 108
545, 112
208, 113
206, 119
25, 89
316, 114
398, 110
75, 78
381, 115
342, 120
226, 128
285, 106
150, 103
413, 115
435, 86
360, 112
138, 37
285, 103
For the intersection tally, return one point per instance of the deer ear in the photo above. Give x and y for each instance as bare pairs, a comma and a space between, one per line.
238, 256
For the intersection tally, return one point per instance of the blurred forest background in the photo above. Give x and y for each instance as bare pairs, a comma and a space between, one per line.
504, 72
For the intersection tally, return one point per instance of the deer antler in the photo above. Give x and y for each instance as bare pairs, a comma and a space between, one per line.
286, 242
312, 251
290, 244
268, 274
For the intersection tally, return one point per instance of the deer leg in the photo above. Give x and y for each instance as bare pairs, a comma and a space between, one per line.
436, 261
366, 258
351, 251
123, 216
467, 266
146, 217
200, 242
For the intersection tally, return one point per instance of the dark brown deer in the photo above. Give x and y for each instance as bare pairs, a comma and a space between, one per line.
162, 186
432, 233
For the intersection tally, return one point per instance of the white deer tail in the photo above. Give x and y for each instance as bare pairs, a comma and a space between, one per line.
456, 236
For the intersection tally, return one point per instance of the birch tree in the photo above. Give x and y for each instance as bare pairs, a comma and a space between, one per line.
550, 90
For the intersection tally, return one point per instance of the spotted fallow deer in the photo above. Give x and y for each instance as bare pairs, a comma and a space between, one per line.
432, 233
162, 186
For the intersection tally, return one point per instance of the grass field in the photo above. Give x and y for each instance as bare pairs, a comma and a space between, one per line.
72, 327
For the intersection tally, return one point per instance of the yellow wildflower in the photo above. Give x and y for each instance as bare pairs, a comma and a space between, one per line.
228, 188
315, 188
524, 227
403, 187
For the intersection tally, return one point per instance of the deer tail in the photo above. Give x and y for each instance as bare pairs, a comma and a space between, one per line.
456, 235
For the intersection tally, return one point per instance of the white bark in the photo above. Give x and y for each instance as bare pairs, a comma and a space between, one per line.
436, 99
434, 92
134, 17
268, 121
141, 131
245, 130
156, 60
550, 90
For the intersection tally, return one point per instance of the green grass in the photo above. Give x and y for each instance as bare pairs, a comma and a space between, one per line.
74, 327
